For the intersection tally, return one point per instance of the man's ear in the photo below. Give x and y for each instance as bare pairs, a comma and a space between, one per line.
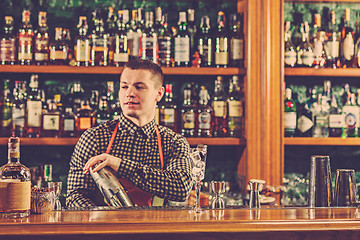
160, 93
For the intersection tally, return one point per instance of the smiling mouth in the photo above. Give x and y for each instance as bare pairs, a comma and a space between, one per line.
131, 103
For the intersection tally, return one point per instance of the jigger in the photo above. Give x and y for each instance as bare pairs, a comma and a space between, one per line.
345, 193
255, 185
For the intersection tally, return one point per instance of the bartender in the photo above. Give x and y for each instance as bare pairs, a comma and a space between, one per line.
151, 161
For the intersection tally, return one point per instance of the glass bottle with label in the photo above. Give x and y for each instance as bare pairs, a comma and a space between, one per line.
69, 128
336, 119
149, 40
289, 114
165, 44
51, 121
8, 43
205, 43
320, 112
76, 96
121, 54
82, 43
41, 39
99, 42
304, 50
191, 26
111, 30
110, 95
290, 53
117, 111
221, 42
182, 43
25, 40
6, 115
352, 116
59, 49
205, 114
318, 40
188, 113
304, 115
332, 45
18, 110
236, 56
33, 108
85, 119
235, 108
102, 115
168, 109
15, 182
134, 33
220, 109
347, 42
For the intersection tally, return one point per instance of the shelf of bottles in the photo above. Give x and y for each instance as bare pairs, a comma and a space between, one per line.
331, 141
323, 72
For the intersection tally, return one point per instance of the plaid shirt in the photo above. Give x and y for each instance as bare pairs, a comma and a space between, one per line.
140, 161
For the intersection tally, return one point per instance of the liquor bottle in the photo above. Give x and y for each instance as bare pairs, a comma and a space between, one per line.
33, 108
235, 108
236, 56
168, 109
15, 181
290, 53
6, 115
134, 33
41, 39
347, 42
205, 114
304, 50
320, 111
48, 173
352, 116
220, 109
336, 119
85, 117
110, 92
59, 49
18, 110
290, 114
8, 43
221, 42
69, 128
51, 121
148, 40
327, 93
165, 44
99, 55
102, 115
117, 111
345, 94
94, 99
111, 30
191, 26
205, 43
82, 43
66, 36
318, 40
304, 115
76, 92
188, 113
332, 45
121, 54
25, 40
158, 25
182, 43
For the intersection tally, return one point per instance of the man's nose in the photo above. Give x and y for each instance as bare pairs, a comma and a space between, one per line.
130, 92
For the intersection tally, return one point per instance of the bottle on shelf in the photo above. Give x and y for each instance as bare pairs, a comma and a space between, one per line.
69, 128
304, 115
352, 116
168, 109
51, 121
42, 41
8, 43
99, 42
188, 113
289, 114
117, 111
205, 114
327, 92
191, 26
134, 33
347, 42
290, 52
320, 111
33, 108
102, 115
219, 104
66, 36
235, 108
318, 40
332, 45
25, 40
165, 44
304, 50
15, 181
345, 94
82, 43
149, 40
18, 110
59, 49
221, 42
182, 45
121, 54
85, 118
48, 173
76, 97
336, 119
111, 30
94, 99
205, 43
110, 95
6, 108
236, 56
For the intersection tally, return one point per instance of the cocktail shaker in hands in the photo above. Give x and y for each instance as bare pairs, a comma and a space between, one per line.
111, 188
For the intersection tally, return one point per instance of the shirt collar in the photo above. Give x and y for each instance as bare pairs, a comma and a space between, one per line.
128, 126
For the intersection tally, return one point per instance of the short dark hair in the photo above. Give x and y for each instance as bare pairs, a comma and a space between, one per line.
141, 64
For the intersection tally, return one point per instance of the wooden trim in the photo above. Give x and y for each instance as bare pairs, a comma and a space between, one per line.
323, 1
324, 72
332, 141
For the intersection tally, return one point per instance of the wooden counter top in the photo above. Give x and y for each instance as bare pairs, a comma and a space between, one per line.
275, 223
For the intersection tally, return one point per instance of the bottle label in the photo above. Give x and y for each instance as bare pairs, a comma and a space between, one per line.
18, 116
164, 49
41, 48
69, 125
221, 58
332, 48
6, 116
318, 49
290, 58
82, 51
182, 49
58, 55
41, 56
290, 120
348, 47
25, 46
15, 195
148, 48
321, 120
121, 57
219, 108
336, 121
205, 50
204, 120
304, 124
307, 58
51, 122
351, 116
237, 49
133, 43
222, 53
235, 109
168, 116
7, 50
34, 113
189, 120
85, 123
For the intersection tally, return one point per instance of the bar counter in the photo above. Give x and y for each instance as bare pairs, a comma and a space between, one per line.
264, 223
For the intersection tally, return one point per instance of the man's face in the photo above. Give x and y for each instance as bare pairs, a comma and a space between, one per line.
139, 92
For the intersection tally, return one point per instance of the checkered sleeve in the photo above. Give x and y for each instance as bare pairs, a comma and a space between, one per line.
80, 186
174, 181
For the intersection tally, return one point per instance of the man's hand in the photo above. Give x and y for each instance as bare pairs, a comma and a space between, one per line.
103, 160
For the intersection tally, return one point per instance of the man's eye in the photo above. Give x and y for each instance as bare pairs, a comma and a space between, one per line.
139, 87
124, 87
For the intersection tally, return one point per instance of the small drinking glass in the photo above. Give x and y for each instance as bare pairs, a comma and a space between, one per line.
218, 188
198, 157
57, 186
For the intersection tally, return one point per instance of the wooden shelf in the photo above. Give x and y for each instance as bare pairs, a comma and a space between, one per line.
73, 141
323, 1
324, 72
118, 70
333, 141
